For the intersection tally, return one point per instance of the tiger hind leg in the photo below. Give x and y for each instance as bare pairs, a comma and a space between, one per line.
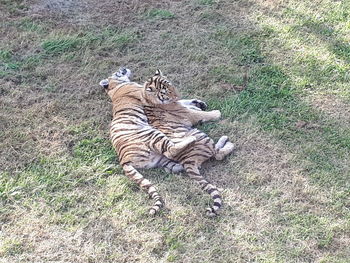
178, 147
146, 185
161, 144
193, 172
223, 148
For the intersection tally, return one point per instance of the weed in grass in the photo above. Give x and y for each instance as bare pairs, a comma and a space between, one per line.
31, 62
342, 50
5, 55
75, 46
121, 41
11, 66
27, 24
8, 62
159, 14
60, 45
11, 248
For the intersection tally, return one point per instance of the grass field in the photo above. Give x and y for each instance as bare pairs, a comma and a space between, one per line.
279, 72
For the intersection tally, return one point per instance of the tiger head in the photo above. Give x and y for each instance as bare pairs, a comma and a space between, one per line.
158, 90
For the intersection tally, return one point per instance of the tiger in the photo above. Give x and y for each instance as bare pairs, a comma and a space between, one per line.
157, 105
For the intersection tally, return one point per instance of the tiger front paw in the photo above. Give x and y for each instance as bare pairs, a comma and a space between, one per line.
216, 115
199, 104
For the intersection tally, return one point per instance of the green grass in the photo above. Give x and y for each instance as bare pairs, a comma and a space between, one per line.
63, 44
57, 46
5, 55
279, 74
27, 24
160, 14
11, 248
55, 181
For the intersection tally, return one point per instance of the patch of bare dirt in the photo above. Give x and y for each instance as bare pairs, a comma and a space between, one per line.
333, 107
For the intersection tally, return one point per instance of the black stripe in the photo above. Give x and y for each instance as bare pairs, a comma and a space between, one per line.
132, 173
216, 196
156, 140
151, 193
138, 181
188, 162
209, 191
217, 204
204, 184
130, 114
127, 154
164, 146
167, 163
127, 110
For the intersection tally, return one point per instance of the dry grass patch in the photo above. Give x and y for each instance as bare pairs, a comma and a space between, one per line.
335, 108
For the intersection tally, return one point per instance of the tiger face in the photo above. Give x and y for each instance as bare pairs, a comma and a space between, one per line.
158, 90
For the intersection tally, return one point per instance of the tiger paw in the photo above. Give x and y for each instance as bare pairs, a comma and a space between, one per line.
221, 143
224, 151
216, 114
199, 104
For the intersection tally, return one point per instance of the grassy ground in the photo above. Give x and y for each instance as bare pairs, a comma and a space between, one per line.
278, 71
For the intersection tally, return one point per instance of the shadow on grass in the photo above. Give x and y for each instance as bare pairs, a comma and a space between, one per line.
316, 71
325, 30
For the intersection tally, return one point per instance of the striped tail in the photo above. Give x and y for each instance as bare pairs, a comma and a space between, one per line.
193, 173
146, 185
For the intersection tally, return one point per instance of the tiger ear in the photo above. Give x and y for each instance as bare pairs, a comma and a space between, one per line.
147, 85
158, 73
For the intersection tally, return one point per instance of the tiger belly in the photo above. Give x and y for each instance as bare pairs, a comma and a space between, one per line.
152, 162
